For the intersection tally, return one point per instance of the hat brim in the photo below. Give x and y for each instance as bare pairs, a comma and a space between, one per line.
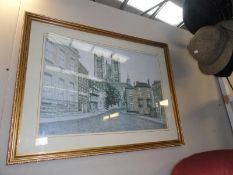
227, 24
222, 61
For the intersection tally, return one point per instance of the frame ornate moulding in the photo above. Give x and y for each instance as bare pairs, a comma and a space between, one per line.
78, 90
226, 89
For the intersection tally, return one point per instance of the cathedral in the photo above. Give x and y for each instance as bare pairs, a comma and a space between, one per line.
107, 69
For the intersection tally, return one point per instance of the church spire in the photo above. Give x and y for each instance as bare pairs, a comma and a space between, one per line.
128, 81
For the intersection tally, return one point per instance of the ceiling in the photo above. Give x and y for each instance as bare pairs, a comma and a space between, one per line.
154, 10
148, 11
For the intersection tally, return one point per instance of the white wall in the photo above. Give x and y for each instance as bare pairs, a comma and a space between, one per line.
203, 116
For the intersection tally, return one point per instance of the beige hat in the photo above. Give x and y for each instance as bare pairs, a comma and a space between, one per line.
212, 47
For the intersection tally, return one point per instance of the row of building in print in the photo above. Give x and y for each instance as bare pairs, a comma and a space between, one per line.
68, 87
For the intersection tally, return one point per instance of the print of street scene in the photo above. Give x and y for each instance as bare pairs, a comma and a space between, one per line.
93, 88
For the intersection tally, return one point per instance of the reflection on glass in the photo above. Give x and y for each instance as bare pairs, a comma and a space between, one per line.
41, 141
91, 88
164, 103
111, 116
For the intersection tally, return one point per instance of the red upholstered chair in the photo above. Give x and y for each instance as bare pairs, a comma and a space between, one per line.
218, 162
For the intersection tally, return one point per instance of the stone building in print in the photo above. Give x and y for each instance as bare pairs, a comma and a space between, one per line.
83, 89
107, 69
64, 85
139, 98
157, 98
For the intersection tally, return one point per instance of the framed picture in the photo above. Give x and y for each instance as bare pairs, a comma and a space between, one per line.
83, 91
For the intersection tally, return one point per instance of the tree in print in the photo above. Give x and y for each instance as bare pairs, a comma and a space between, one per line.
112, 96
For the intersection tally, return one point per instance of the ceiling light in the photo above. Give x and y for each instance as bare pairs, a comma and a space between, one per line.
102, 52
81, 45
143, 5
59, 39
120, 58
171, 14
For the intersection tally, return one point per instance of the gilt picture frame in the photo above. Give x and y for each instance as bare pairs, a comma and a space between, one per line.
82, 91
227, 93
